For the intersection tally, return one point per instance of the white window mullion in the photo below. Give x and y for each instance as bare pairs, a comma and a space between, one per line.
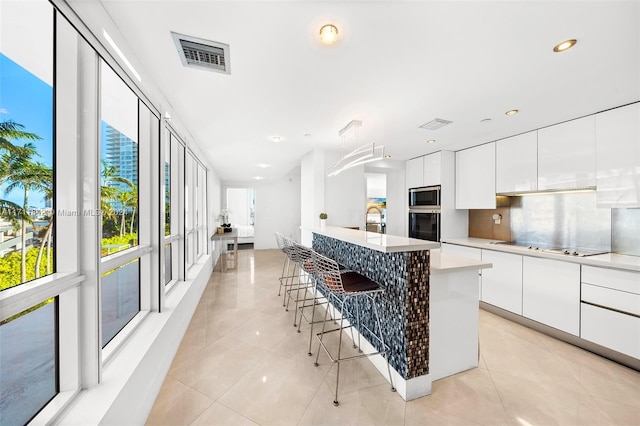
89, 233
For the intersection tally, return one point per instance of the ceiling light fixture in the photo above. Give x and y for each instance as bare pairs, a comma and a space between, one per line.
329, 34
431, 141
362, 155
276, 138
387, 156
485, 120
121, 55
512, 112
264, 165
258, 177
565, 45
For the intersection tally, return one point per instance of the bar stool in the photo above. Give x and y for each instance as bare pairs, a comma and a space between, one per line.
340, 288
285, 265
303, 257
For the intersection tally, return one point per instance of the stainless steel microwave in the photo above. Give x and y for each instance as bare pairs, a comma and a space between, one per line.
428, 196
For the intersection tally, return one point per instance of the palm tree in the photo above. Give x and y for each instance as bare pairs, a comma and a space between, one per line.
46, 238
18, 171
112, 190
11, 130
108, 193
133, 203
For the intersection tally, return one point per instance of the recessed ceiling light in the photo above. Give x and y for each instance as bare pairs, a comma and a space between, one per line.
276, 138
431, 141
565, 45
307, 135
387, 156
485, 120
329, 34
258, 177
512, 112
264, 165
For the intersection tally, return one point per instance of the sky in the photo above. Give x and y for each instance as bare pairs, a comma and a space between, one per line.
27, 100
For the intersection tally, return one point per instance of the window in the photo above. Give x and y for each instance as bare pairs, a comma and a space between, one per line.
119, 163
27, 363
28, 338
173, 162
120, 299
26, 144
122, 268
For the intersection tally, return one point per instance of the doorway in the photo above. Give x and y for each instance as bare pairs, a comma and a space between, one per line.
241, 207
376, 209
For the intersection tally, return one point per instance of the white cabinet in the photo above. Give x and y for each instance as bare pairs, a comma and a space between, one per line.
414, 172
424, 171
432, 165
618, 157
567, 155
476, 177
611, 309
611, 329
551, 293
517, 163
502, 284
464, 251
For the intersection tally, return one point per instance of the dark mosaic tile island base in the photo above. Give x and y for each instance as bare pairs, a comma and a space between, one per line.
404, 306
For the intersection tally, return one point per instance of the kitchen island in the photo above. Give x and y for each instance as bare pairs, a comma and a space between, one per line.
429, 309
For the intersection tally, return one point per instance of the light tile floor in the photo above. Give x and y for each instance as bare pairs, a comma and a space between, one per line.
242, 362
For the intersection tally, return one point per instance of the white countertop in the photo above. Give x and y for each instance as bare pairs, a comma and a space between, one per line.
442, 263
608, 260
380, 242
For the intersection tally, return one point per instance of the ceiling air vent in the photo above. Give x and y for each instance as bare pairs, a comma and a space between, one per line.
203, 54
436, 123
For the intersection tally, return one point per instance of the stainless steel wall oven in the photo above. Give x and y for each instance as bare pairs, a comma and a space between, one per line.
424, 213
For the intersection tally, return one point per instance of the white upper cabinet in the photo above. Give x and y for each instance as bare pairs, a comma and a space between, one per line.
618, 149
517, 163
432, 165
567, 155
476, 177
414, 173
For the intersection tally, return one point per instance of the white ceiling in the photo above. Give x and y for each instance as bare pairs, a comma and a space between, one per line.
396, 66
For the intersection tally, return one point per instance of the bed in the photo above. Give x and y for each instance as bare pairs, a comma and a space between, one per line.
245, 233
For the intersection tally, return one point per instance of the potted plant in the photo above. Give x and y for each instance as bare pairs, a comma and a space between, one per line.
223, 218
323, 220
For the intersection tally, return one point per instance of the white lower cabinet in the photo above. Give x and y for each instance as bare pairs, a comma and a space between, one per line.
502, 284
464, 251
551, 293
611, 309
611, 329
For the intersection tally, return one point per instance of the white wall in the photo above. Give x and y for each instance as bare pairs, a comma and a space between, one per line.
376, 185
312, 186
277, 210
238, 205
345, 195
397, 210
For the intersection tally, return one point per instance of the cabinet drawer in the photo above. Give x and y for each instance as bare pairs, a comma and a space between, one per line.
615, 299
628, 281
611, 329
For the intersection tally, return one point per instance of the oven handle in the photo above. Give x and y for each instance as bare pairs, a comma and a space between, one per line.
430, 209
424, 189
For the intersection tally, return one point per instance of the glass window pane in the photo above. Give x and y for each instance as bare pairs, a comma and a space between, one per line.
167, 264
26, 142
28, 367
120, 299
167, 187
119, 163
